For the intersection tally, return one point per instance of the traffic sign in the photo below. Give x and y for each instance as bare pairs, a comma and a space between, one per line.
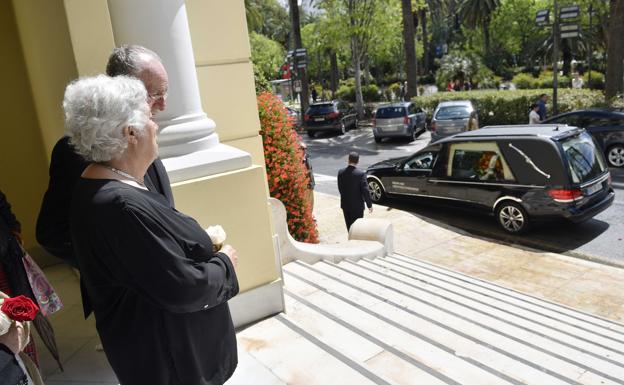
542, 17
297, 84
569, 12
569, 31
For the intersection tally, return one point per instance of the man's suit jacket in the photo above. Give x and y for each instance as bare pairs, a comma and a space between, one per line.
353, 189
65, 168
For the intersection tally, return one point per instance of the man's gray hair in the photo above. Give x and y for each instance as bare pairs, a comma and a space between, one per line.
97, 109
129, 60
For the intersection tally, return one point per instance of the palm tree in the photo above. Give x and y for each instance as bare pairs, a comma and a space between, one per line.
478, 13
615, 53
410, 48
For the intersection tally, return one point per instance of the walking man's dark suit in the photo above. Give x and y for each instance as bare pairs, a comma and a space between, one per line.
353, 191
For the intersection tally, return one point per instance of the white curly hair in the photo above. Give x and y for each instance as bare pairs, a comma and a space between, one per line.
98, 108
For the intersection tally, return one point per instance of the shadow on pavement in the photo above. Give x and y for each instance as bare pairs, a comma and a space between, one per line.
558, 236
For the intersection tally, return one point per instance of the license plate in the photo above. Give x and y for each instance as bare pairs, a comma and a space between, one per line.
593, 189
319, 119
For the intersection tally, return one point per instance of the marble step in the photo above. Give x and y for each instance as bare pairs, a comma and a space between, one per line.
403, 321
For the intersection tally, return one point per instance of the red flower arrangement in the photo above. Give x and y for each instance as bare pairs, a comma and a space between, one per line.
286, 173
20, 308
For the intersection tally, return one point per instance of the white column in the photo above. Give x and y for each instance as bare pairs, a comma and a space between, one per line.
188, 143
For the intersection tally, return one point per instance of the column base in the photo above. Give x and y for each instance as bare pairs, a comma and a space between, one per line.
217, 159
258, 303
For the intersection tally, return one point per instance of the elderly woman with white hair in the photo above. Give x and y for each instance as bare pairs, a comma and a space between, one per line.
158, 290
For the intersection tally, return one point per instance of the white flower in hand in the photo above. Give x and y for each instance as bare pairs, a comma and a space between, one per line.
5, 322
217, 236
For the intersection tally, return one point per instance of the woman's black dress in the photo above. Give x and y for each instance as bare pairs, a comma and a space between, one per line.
158, 291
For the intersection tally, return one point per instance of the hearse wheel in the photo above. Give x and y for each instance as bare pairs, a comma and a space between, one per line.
512, 217
376, 190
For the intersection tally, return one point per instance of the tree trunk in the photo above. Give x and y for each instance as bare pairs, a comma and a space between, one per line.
410, 49
333, 60
566, 53
296, 33
425, 40
366, 70
486, 38
614, 80
359, 100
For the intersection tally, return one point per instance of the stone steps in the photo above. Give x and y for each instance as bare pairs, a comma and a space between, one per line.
397, 320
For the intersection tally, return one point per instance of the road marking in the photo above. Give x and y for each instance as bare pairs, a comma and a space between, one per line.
324, 178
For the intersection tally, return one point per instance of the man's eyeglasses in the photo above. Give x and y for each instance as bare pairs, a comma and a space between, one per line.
154, 97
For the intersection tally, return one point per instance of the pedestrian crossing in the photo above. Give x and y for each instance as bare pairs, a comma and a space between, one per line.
398, 320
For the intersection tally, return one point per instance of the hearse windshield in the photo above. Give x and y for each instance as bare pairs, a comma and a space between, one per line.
453, 112
584, 158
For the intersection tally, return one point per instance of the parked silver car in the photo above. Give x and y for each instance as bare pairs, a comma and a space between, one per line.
450, 118
399, 120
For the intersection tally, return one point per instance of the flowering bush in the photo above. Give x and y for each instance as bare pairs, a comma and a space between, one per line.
286, 173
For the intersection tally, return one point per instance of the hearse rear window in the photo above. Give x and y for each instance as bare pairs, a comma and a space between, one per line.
478, 161
584, 158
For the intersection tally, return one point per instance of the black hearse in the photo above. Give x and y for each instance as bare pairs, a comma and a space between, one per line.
519, 173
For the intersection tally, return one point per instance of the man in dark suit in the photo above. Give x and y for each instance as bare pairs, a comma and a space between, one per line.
66, 166
353, 191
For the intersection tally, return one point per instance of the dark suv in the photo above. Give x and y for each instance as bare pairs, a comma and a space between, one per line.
329, 116
518, 173
606, 126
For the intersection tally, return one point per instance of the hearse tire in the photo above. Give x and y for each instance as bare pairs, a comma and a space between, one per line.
512, 217
376, 190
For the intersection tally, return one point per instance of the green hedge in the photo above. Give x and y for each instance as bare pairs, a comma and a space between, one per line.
525, 80
370, 93
512, 107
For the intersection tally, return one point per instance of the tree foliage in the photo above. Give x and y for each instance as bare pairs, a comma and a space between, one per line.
266, 54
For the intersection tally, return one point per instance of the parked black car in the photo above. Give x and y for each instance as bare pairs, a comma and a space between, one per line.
606, 126
336, 116
518, 173
399, 120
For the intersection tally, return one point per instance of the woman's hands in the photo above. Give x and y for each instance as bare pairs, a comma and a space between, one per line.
14, 337
231, 253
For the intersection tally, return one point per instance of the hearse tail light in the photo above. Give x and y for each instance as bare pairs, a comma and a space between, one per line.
306, 117
609, 179
406, 120
565, 195
332, 115
433, 126
374, 122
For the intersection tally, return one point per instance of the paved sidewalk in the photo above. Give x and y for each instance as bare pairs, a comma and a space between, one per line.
299, 351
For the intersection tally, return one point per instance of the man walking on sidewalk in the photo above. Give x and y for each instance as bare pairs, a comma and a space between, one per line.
353, 191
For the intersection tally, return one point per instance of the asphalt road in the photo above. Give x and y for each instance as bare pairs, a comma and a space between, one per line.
600, 238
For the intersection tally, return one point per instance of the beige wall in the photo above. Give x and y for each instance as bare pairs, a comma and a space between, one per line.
23, 162
49, 61
236, 201
224, 70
